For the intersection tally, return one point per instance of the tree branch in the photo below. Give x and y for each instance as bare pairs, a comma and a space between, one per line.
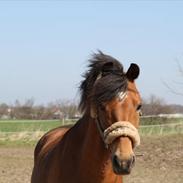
172, 90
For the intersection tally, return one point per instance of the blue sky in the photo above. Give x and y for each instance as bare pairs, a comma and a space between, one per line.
45, 45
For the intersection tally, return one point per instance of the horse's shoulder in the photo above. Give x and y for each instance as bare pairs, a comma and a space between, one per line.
49, 140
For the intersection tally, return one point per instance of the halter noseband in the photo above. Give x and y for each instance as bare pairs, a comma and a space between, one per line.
119, 129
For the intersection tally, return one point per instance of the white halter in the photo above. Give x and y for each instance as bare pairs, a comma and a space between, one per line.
121, 128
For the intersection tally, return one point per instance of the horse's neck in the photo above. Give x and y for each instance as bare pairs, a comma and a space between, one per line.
95, 156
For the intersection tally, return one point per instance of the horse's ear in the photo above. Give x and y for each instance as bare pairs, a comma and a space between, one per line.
133, 72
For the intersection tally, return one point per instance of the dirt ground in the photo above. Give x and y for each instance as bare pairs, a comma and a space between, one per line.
162, 162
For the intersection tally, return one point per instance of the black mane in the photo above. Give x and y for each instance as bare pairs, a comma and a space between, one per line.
103, 81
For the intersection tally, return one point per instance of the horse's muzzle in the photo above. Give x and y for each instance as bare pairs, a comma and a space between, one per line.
122, 167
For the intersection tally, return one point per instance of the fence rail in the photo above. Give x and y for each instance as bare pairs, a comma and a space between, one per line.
162, 125
145, 130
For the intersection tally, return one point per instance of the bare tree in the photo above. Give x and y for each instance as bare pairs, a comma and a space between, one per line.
67, 107
155, 105
172, 89
23, 111
60, 109
3, 109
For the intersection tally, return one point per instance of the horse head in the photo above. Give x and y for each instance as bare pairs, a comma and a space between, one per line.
114, 102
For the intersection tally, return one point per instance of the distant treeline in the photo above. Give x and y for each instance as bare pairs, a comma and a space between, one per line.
62, 109
28, 110
155, 106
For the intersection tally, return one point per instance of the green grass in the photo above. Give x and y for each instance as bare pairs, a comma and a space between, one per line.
27, 132
17, 143
160, 126
29, 125
159, 120
161, 129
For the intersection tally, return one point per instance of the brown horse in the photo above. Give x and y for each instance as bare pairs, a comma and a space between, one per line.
99, 148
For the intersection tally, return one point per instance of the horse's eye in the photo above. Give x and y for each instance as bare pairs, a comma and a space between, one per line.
139, 107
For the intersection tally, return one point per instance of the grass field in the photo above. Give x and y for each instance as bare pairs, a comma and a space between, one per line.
27, 132
28, 125
160, 126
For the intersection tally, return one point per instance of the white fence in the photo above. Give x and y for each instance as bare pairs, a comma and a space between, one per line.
155, 129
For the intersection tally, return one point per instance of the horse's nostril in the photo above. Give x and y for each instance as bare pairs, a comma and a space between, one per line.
116, 162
